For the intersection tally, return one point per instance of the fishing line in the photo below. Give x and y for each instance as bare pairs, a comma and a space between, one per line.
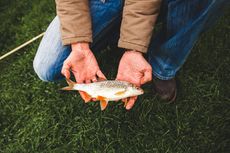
21, 46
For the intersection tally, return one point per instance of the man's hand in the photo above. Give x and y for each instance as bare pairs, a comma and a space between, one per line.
135, 69
83, 65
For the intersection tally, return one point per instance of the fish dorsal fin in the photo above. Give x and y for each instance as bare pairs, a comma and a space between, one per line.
119, 93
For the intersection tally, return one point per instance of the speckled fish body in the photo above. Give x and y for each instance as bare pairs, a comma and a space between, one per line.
108, 90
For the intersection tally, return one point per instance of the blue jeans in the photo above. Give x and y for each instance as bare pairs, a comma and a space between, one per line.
183, 22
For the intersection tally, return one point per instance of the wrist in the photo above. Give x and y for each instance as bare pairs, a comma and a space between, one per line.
133, 52
79, 46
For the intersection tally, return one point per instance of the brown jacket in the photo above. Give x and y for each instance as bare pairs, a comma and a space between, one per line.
139, 17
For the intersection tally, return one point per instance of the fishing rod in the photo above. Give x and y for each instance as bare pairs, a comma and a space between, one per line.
21, 46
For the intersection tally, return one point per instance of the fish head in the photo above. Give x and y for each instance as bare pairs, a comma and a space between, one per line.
135, 91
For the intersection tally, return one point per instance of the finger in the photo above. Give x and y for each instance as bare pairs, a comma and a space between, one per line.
135, 81
147, 77
101, 75
87, 81
131, 102
127, 78
77, 78
66, 70
94, 79
118, 77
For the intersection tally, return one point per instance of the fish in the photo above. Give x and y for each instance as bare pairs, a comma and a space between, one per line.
106, 90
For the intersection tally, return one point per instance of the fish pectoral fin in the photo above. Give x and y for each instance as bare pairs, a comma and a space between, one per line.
119, 93
103, 104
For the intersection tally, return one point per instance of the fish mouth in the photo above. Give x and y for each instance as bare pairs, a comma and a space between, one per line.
141, 91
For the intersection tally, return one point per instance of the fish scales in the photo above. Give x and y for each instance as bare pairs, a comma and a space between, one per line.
113, 84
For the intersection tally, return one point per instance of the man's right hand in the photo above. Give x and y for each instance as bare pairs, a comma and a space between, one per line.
83, 65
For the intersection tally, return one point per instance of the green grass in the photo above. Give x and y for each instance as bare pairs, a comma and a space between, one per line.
36, 117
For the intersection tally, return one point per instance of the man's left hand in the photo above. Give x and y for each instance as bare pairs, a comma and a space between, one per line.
135, 69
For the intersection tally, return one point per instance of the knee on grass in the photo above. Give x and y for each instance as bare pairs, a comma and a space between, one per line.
45, 72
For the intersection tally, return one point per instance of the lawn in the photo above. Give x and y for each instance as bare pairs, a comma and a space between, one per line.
36, 117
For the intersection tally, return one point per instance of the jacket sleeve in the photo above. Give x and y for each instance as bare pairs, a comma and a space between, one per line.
139, 17
75, 21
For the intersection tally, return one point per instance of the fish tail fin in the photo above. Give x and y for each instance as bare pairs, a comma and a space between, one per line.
71, 85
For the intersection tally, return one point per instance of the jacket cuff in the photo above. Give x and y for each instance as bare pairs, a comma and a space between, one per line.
68, 41
132, 46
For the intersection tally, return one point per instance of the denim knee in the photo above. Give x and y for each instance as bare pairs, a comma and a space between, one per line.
44, 71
